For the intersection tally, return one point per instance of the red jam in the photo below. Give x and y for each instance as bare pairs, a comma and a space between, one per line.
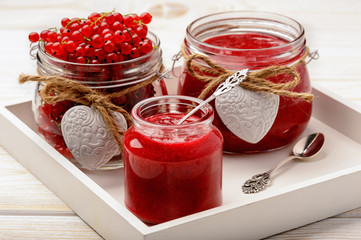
293, 114
167, 176
245, 41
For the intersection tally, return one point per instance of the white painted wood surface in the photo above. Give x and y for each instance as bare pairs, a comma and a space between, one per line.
28, 210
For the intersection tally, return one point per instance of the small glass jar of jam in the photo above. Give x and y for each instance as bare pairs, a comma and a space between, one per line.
253, 40
171, 170
106, 78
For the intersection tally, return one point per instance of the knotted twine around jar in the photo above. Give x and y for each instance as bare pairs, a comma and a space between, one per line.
57, 89
255, 81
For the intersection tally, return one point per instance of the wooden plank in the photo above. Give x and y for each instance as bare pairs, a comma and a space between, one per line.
21, 191
45, 227
331, 228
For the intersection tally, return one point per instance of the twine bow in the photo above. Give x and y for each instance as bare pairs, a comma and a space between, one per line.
255, 81
57, 89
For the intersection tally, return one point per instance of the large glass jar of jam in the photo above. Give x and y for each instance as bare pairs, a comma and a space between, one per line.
254, 40
107, 78
171, 170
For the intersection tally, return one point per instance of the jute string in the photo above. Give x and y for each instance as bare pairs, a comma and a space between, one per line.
255, 81
57, 89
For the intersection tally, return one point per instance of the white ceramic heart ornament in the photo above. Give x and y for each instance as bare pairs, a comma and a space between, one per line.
88, 137
247, 114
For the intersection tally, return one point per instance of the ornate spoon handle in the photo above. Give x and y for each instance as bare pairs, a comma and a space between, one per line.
260, 181
224, 87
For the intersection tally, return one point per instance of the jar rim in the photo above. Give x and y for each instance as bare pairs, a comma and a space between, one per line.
156, 46
266, 16
136, 112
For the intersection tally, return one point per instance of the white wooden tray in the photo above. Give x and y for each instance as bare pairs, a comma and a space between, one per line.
301, 193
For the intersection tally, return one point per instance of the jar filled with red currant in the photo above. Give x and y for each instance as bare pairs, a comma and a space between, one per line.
250, 121
107, 52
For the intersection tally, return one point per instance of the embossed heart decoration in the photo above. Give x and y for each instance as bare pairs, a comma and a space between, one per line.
88, 137
247, 114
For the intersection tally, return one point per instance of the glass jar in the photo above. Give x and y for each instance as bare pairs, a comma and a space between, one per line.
107, 78
171, 170
254, 40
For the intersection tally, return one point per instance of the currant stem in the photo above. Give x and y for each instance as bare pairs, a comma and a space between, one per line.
102, 16
130, 34
75, 20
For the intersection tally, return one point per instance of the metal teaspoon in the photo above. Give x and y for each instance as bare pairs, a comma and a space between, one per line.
304, 149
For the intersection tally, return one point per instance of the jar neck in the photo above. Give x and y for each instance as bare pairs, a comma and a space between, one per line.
168, 110
105, 75
290, 33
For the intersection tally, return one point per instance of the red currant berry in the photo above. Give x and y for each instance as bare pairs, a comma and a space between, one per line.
89, 50
45, 109
104, 25
64, 39
97, 41
106, 31
70, 46
44, 35
142, 31
52, 36
146, 17
118, 16
71, 57
86, 30
99, 54
121, 57
117, 26
127, 35
77, 37
126, 48
134, 52
48, 48
74, 26
107, 37
57, 49
57, 110
135, 18
94, 16
109, 46
80, 60
118, 37
146, 47
95, 61
63, 150
110, 19
96, 29
136, 40
79, 51
66, 32
65, 21
128, 21
111, 57
34, 37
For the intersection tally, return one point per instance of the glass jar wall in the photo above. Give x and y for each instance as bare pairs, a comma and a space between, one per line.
254, 40
171, 170
106, 78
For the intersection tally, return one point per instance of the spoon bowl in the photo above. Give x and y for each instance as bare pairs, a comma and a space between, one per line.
309, 146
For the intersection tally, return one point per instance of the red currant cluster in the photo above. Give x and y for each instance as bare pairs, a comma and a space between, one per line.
49, 120
101, 38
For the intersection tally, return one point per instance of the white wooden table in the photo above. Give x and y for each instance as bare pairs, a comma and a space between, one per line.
28, 210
